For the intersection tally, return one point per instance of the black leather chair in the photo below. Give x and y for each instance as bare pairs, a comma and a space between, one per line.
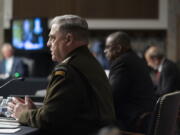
164, 117
164, 120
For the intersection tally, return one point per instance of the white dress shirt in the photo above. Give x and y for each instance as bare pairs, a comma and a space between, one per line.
8, 65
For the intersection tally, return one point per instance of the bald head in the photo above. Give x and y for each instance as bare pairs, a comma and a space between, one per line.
119, 39
155, 52
117, 43
153, 56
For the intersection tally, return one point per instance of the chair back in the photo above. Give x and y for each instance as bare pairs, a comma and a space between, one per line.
29, 66
164, 119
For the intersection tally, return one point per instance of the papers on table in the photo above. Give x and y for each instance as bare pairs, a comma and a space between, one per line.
9, 125
9, 130
5, 119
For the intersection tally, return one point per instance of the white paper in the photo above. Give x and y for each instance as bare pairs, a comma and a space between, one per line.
6, 123
8, 126
10, 123
9, 130
4, 119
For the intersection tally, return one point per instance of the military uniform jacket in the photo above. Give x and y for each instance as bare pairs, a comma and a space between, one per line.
78, 99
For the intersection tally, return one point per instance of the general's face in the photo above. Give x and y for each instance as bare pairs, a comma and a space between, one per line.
56, 43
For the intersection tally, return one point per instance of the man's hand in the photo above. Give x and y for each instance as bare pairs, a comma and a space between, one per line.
19, 105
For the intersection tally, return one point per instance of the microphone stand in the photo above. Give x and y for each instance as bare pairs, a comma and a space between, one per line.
14, 79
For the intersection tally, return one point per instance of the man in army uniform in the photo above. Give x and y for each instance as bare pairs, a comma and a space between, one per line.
78, 99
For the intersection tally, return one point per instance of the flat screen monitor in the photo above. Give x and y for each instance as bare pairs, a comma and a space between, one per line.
29, 34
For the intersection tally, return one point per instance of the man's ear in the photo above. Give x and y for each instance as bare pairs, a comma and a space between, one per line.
116, 51
119, 49
69, 38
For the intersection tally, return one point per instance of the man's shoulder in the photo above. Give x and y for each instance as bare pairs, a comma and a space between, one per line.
124, 59
169, 62
18, 59
63, 69
60, 70
170, 66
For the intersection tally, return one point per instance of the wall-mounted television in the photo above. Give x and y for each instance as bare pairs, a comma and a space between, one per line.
29, 34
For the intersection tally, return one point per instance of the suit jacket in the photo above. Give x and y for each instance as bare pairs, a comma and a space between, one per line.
18, 66
169, 78
78, 100
132, 89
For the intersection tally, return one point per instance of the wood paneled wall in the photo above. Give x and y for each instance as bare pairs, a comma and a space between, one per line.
121, 9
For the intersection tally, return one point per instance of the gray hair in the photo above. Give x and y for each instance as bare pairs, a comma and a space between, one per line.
72, 24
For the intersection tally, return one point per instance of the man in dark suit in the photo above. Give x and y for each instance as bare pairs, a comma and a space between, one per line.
167, 77
10, 64
132, 86
79, 99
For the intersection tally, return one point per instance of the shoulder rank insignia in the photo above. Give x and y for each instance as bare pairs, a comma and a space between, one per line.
61, 73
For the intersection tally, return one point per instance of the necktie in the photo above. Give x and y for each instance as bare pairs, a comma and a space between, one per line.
158, 76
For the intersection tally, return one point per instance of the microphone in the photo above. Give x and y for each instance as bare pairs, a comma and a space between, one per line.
19, 78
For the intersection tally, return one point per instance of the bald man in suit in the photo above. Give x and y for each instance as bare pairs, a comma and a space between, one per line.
10, 64
168, 75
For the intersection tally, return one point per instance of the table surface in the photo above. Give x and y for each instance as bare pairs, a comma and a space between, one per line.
25, 130
27, 87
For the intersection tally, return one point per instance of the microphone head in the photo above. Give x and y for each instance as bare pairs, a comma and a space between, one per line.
18, 76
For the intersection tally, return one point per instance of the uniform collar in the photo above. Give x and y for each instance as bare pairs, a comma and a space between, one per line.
74, 53
66, 60
77, 50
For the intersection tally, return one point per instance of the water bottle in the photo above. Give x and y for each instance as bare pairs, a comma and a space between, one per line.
3, 107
